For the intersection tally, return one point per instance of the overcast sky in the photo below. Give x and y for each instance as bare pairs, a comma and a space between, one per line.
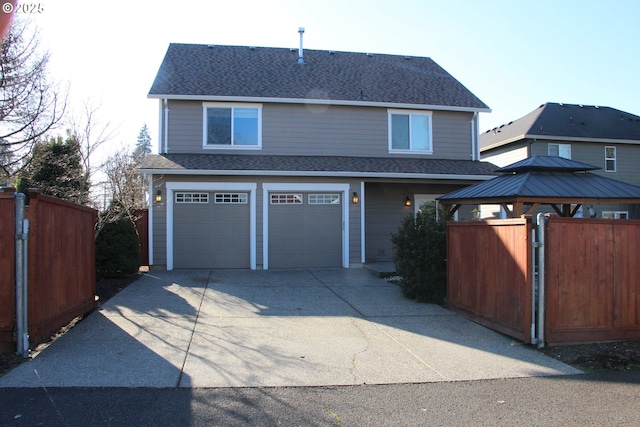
514, 55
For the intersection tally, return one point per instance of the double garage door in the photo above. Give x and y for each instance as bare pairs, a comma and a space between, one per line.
212, 230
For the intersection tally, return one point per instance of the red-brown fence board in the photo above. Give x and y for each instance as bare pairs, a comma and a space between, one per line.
489, 273
61, 263
141, 219
592, 280
7, 269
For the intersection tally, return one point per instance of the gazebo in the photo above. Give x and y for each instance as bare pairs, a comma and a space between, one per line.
526, 185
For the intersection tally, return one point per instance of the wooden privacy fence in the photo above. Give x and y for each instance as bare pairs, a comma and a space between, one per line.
591, 278
489, 273
61, 264
141, 221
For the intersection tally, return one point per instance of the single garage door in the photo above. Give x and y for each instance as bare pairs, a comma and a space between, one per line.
305, 230
211, 230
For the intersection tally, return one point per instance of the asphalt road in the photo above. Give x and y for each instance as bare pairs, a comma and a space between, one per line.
605, 399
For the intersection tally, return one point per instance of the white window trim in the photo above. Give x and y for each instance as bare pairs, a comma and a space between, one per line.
614, 158
249, 187
330, 188
206, 146
390, 112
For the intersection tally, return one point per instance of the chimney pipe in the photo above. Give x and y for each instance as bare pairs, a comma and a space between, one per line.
300, 52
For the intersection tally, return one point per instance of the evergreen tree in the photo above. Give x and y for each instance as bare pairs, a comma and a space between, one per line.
56, 169
143, 144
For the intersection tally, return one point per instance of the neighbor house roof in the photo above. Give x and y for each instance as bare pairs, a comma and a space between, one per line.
213, 72
567, 122
230, 164
545, 180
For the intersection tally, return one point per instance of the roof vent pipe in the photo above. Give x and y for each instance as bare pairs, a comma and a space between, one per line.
300, 52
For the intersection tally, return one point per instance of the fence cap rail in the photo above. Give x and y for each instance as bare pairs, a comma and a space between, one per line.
35, 194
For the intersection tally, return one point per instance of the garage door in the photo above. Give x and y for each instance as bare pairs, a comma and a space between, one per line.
211, 230
305, 230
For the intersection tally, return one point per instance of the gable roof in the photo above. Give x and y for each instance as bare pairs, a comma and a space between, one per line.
212, 72
232, 164
567, 122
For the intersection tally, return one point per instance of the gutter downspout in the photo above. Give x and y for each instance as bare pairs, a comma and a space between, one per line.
475, 136
22, 322
166, 126
541, 273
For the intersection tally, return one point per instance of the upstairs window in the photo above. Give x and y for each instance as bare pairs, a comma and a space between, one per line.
410, 131
236, 126
560, 150
609, 159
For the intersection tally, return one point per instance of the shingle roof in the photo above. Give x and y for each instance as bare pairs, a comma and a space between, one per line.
568, 121
534, 181
204, 71
313, 165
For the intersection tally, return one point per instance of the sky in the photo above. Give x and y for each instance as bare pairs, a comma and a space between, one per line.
513, 54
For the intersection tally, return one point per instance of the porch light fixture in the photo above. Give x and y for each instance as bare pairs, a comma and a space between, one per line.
476, 214
355, 198
407, 201
158, 197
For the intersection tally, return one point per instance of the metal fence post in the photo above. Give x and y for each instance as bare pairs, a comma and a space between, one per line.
22, 323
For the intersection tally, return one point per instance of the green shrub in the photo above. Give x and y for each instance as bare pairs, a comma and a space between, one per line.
117, 249
420, 256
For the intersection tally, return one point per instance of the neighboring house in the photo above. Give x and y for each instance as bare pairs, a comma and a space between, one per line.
599, 136
284, 158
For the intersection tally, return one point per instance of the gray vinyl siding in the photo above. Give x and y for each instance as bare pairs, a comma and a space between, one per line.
185, 127
295, 129
451, 135
159, 234
627, 157
385, 210
507, 155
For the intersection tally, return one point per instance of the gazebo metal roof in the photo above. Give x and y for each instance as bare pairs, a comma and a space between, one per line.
544, 180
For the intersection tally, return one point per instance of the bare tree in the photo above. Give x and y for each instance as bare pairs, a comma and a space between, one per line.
30, 105
90, 132
126, 187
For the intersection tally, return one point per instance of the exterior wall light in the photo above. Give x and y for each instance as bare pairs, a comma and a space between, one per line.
158, 197
355, 198
407, 201
476, 214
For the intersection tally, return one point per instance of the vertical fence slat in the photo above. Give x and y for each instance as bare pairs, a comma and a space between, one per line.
7, 270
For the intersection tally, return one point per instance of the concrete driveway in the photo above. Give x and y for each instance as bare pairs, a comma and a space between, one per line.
232, 328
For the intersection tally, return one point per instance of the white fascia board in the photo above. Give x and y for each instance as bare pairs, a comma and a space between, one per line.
317, 174
318, 102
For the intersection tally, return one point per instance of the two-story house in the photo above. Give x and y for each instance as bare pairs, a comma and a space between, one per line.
595, 135
291, 158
